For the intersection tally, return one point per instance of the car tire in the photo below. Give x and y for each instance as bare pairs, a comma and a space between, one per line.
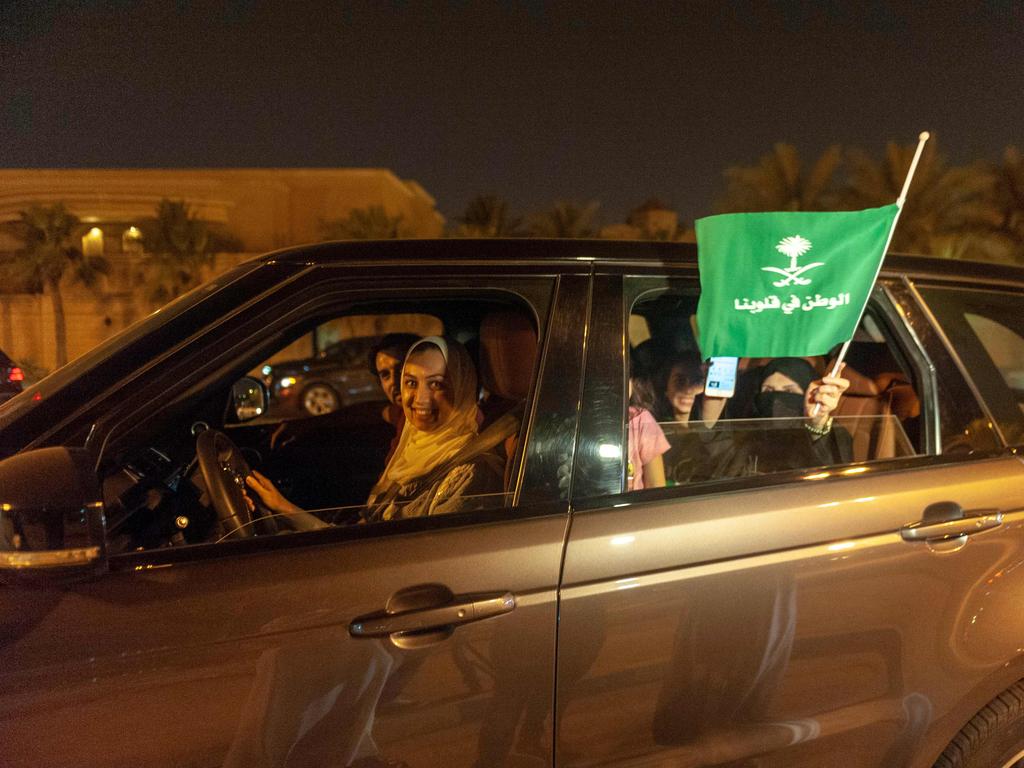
318, 399
994, 738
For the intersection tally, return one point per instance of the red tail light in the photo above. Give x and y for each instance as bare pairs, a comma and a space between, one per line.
16, 374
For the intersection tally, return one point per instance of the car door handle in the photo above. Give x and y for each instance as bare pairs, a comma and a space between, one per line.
929, 529
460, 611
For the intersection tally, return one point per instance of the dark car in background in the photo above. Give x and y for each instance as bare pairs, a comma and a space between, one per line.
12, 378
333, 378
864, 613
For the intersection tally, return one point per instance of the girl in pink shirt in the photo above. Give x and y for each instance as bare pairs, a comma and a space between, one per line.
646, 441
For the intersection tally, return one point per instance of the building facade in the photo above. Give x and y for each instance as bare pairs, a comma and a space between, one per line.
256, 209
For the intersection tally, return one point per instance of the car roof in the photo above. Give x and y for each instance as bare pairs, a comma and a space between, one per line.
538, 252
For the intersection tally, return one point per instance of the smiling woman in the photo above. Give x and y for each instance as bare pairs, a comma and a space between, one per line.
440, 456
426, 387
442, 459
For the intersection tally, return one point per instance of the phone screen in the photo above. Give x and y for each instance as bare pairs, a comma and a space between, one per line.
721, 381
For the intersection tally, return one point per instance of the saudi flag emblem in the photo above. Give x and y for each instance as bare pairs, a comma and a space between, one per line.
794, 247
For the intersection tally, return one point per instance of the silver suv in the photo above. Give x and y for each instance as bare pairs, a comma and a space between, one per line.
865, 612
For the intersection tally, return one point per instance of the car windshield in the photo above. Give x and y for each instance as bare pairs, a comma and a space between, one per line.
60, 378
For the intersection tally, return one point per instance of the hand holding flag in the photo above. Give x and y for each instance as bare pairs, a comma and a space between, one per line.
822, 397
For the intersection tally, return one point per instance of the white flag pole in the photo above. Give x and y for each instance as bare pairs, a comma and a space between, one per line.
921, 139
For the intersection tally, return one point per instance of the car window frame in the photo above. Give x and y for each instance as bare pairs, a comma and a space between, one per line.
942, 334
593, 489
539, 290
54, 417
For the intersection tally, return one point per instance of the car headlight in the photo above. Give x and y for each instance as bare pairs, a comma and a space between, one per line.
287, 381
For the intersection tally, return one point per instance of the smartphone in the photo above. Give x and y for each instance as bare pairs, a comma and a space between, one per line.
721, 381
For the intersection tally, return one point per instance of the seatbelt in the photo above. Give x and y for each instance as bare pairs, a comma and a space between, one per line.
492, 436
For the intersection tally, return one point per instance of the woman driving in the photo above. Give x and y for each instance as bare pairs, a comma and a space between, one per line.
439, 460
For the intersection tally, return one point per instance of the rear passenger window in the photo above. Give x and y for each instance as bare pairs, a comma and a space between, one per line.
676, 435
986, 331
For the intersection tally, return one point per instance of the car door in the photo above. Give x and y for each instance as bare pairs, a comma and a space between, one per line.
855, 614
426, 642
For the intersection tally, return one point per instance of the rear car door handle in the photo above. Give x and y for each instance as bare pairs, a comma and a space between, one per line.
973, 522
459, 611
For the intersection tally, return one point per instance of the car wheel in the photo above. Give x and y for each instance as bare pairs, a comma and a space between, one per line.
994, 738
319, 399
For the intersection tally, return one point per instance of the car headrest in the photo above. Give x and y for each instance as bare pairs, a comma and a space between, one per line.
860, 385
903, 399
508, 351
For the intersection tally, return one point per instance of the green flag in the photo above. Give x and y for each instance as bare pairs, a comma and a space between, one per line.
786, 284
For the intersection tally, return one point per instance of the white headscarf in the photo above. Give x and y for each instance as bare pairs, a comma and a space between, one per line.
419, 452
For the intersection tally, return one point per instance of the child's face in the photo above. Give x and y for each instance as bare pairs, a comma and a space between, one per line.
681, 393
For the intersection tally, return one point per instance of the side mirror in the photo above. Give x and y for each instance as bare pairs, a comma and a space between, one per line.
52, 525
248, 399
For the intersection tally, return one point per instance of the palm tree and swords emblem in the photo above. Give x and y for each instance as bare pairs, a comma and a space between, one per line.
794, 247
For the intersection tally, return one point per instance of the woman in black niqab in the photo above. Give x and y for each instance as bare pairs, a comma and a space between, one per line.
781, 387
795, 435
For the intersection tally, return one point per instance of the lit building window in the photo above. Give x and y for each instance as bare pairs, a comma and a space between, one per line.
131, 240
92, 242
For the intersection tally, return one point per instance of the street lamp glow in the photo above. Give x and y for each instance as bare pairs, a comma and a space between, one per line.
92, 242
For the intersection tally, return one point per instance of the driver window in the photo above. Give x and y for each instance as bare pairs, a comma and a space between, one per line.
363, 418
676, 434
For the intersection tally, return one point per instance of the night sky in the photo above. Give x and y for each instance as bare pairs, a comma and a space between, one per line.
533, 101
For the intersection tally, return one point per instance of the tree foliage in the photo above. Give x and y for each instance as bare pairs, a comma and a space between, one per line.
948, 211
1009, 200
565, 220
654, 220
178, 247
48, 254
973, 211
778, 183
372, 223
489, 216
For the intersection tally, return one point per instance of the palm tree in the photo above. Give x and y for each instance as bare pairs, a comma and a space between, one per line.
1009, 201
178, 245
949, 211
47, 255
654, 220
371, 223
565, 220
488, 216
778, 183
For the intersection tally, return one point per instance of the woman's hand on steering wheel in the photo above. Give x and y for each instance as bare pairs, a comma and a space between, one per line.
269, 495
298, 518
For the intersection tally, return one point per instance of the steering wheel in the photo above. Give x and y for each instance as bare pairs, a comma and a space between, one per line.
224, 469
